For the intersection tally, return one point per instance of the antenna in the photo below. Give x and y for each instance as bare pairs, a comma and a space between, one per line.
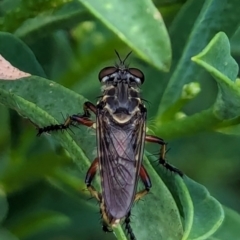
118, 56
122, 62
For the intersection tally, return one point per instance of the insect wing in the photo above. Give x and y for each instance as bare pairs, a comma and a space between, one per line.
120, 150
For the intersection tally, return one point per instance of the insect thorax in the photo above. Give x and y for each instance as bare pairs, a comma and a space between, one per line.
122, 101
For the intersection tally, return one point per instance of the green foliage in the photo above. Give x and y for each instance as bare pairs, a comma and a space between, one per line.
42, 192
4, 205
230, 227
198, 37
21, 11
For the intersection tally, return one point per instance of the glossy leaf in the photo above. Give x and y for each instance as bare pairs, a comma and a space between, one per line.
202, 214
151, 43
40, 109
230, 227
216, 59
176, 208
22, 95
24, 59
40, 100
225, 71
208, 213
43, 24
158, 212
209, 22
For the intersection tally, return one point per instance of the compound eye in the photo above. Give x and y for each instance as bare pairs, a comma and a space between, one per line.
105, 73
137, 74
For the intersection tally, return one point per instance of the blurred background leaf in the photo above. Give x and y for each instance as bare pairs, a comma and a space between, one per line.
4, 205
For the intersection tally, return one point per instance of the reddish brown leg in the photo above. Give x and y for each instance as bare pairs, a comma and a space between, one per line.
88, 181
146, 181
80, 120
87, 107
83, 119
154, 139
89, 177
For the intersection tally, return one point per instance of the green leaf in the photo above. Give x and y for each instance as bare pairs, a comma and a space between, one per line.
24, 59
17, 176
230, 227
67, 182
6, 235
202, 214
54, 97
179, 32
157, 215
208, 212
209, 22
68, 15
3, 205
151, 43
231, 127
92, 55
216, 59
37, 222
225, 113
15, 13
234, 43
42, 101
181, 28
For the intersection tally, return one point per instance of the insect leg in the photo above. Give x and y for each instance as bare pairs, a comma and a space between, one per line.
106, 222
128, 227
88, 180
82, 119
146, 181
89, 177
106, 228
154, 139
89, 106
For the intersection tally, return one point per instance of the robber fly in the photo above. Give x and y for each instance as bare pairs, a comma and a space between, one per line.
121, 134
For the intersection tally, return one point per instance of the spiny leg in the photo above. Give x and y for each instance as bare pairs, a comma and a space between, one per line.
160, 141
82, 119
146, 181
106, 228
128, 226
